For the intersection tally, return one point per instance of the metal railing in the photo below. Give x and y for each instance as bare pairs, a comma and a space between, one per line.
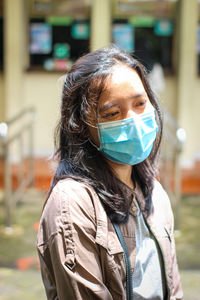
24, 121
171, 148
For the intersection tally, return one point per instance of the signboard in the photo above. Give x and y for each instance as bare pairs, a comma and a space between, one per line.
163, 27
61, 50
59, 21
142, 21
41, 38
51, 64
60, 64
80, 30
48, 64
123, 36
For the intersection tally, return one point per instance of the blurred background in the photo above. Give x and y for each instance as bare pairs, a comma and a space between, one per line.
39, 41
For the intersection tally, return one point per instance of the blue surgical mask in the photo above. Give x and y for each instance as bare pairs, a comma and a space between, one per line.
128, 141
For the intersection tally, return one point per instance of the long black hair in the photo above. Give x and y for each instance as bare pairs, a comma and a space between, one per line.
77, 157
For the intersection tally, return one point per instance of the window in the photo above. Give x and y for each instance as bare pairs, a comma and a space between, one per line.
150, 43
56, 43
152, 28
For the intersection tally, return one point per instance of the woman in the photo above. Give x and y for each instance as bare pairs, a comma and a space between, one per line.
109, 136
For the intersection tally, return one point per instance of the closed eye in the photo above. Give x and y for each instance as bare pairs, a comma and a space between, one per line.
109, 115
141, 103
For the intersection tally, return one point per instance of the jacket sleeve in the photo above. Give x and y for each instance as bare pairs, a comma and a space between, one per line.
70, 263
165, 214
177, 290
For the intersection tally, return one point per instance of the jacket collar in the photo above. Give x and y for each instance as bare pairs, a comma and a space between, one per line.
136, 198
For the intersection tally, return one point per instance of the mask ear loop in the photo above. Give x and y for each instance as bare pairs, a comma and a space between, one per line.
99, 131
96, 127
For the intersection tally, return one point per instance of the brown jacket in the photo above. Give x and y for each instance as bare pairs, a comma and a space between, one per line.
80, 254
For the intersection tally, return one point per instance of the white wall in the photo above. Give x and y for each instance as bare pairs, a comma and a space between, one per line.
193, 132
168, 98
2, 107
42, 90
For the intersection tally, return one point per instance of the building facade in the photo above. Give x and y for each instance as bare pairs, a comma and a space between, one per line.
41, 38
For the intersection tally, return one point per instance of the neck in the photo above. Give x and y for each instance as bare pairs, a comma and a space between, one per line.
123, 172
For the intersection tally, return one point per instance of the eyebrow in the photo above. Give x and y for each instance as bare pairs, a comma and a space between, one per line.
139, 95
109, 105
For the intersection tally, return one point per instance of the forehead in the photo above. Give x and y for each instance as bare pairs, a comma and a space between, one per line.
123, 81
122, 74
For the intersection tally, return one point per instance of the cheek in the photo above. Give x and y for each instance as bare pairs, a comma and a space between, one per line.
149, 106
94, 135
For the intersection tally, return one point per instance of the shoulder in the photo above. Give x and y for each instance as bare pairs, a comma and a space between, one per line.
159, 194
69, 195
161, 202
70, 202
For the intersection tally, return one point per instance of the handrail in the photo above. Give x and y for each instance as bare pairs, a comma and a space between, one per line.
20, 115
6, 142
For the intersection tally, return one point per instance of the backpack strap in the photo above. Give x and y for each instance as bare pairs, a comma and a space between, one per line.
129, 282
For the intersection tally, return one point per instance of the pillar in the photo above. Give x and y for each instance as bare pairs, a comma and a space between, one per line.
187, 72
101, 24
13, 56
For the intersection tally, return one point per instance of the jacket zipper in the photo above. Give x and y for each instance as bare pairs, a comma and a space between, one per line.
164, 263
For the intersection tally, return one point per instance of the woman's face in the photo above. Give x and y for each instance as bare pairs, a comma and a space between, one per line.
123, 97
